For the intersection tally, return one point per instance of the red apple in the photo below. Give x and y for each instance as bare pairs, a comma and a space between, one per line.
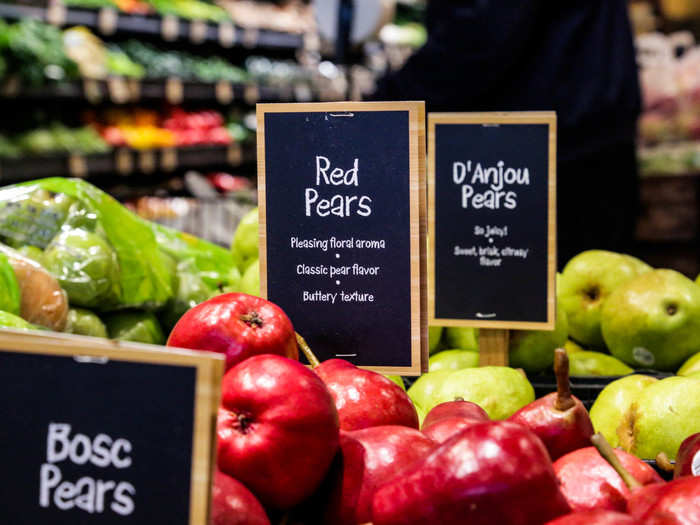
450, 418
386, 452
559, 419
277, 429
237, 325
594, 517
589, 482
233, 504
688, 457
365, 398
495, 472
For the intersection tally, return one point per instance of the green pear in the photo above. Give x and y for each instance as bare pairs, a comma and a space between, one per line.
586, 364
664, 414
434, 336
571, 347
691, 366
250, 282
396, 379
421, 415
614, 401
693, 375
245, 240
653, 321
499, 390
464, 338
85, 322
453, 360
423, 390
586, 282
533, 350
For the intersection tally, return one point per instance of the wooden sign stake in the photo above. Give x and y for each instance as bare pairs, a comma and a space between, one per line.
493, 347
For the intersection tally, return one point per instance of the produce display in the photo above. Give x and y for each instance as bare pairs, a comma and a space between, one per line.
145, 129
191, 9
96, 268
56, 138
474, 438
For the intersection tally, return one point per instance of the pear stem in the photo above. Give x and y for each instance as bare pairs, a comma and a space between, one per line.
608, 454
306, 350
664, 463
564, 400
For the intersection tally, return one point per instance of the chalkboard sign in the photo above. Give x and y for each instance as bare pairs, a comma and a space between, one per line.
342, 218
103, 433
492, 187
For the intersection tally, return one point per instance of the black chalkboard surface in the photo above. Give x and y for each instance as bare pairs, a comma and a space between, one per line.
492, 219
341, 200
104, 438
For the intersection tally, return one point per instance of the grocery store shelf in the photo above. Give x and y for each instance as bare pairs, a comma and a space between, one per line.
119, 90
170, 28
124, 162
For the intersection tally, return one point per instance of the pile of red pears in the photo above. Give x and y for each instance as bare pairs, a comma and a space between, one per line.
338, 445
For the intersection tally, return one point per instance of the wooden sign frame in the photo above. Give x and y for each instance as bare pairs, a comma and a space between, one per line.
527, 117
418, 215
209, 372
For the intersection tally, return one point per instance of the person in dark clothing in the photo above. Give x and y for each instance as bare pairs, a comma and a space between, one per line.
576, 58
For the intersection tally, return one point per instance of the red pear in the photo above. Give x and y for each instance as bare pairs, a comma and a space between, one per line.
448, 419
456, 408
678, 504
559, 419
594, 517
640, 497
277, 429
238, 326
233, 504
386, 452
365, 398
589, 482
495, 472
688, 457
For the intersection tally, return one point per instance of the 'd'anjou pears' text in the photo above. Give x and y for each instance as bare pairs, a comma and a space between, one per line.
498, 180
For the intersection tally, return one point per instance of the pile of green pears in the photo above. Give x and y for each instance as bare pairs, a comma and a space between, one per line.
245, 252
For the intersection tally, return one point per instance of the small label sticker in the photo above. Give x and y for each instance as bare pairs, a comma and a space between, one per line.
107, 20
224, 92
250, 37
77, 166
124, 161
92, 91
56, 13
643, 356
198, 31
227, 34
147, 161
134, 85
170, 28
234, 154
695, 466
174, 91
251, 94
119, 92
168, 159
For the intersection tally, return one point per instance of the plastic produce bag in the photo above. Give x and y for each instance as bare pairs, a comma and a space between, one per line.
8, 320
140, 327
85, 322
10, 298
72, 219
86, 267
203, 270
